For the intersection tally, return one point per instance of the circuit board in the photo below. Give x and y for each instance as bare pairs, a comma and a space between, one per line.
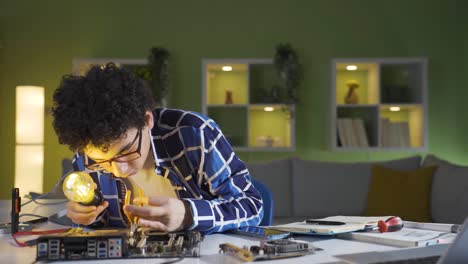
118, 244
269, 250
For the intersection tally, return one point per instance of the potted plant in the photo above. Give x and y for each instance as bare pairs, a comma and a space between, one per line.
289, 69
158, 65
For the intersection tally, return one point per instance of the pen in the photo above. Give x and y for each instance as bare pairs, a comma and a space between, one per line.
320, 222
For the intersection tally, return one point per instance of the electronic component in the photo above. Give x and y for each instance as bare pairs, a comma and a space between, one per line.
261, 232
118, 244
274, 249
15, 209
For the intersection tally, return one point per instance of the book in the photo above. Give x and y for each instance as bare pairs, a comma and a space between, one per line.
342, 133
407, 237
405, 134
360, 132
448, 228
385, 132
349, 132
350, 224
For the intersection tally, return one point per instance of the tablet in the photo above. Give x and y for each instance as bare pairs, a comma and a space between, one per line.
261, 232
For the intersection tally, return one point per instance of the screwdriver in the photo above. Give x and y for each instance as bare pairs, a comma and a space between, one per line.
392, 224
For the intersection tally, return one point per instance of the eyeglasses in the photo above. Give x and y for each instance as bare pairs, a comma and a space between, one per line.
119, 158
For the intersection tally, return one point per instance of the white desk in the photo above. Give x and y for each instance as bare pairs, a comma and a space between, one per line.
10, 253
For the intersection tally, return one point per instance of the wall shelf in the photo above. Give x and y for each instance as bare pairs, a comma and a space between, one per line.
248, 100
379, 104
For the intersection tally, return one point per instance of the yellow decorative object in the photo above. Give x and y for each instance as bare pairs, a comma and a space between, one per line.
228, 97
352, 96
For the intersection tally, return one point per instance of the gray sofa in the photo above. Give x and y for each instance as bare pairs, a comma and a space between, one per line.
306, 188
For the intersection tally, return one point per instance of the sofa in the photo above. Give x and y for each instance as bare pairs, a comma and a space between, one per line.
306, 188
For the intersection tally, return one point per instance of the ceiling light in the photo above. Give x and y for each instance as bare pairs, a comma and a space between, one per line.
226, 68
269, 109
394, 108
351, 67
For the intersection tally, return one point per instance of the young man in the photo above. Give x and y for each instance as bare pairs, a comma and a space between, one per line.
179, 159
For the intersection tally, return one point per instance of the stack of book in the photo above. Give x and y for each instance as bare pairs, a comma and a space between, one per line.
394, 134
352, 132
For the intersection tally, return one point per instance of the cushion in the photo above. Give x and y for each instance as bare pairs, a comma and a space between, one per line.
332, 188
449, 198
276, 175
401, 193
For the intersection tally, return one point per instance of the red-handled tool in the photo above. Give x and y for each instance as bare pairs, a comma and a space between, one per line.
392, 224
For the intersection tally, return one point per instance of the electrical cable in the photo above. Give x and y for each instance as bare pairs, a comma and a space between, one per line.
174, 260
54, 189
32, 242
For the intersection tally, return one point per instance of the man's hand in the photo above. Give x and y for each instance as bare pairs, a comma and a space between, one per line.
83, 214
162, 213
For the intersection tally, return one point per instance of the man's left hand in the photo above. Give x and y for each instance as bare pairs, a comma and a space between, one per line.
162, 213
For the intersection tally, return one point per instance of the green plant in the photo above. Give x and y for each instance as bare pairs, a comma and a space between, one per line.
288, 67
158, 65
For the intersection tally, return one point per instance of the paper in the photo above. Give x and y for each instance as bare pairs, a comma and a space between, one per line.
352, 223
305, 228
366, 220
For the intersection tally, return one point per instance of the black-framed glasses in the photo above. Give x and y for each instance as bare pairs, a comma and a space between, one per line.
120, 158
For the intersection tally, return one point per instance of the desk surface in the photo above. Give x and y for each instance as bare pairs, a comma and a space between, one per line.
10, 253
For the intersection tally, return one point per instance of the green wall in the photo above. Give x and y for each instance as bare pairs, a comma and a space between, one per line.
42, 37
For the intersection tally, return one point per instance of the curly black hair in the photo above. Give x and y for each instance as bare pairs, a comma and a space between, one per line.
100, 107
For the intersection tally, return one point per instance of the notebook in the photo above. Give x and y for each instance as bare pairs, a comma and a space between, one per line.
407, 237
448, 254
350, 224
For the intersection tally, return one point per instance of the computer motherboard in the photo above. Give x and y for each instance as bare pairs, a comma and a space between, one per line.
118, 244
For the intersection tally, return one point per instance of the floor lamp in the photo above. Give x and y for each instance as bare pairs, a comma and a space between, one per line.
29, 158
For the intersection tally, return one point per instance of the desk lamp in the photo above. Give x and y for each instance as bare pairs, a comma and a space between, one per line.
78, 186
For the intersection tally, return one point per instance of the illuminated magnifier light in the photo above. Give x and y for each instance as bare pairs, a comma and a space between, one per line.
78, 186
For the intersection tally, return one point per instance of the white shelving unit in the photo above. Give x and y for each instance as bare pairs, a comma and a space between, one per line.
248, 100
388, 109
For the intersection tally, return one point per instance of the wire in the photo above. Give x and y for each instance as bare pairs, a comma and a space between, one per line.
51, 203
50, 192
34, 241
174, 260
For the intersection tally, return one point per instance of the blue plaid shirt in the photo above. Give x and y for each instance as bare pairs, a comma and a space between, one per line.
203, 169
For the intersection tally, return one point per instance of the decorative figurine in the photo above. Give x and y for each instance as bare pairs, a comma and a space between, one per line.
228, 97
352, 96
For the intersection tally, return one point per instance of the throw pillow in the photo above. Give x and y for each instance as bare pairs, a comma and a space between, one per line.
400, 193
449, 199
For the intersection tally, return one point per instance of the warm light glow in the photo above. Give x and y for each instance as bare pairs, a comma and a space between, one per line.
351, 67
29, 163
29, 156
29, 115
269, 109
226, 68
79, 187
394, 108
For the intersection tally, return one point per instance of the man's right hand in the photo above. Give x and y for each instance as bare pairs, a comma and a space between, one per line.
84, 214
